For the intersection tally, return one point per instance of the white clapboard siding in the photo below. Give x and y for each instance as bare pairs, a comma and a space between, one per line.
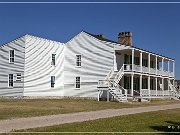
7, 68
38, 68
96, 61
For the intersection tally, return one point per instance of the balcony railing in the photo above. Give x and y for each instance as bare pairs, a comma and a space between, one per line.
137, 68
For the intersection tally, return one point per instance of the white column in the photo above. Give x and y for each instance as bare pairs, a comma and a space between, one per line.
132, 82
163, 85
156, 85
163, 64
107, 96
149, 85
98, 94
168, 67
140, 85
156, 65
115, 63
149, 59
174, 68
141, 60
132, 59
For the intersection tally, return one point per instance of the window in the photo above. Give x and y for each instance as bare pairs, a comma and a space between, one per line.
18, 77
53, 62
78, 60
52, 81
77, 82
145, 62
11, 56
136, 61
10, 80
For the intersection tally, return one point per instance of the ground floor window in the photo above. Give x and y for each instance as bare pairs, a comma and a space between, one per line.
78, 82
144, 83
52, 81
11, 80
127, 82
18, 77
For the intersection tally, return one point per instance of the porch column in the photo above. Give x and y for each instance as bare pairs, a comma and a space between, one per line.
156, 64
156, 85
149, 85
140, 85
107, 96
163, 85
98, 94
168, 74
174, 68
141, 60
132, 82
162, 65
115, 63
149, 64
132, 59
168, 68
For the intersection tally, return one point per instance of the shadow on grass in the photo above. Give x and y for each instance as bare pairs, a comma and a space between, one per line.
171, 127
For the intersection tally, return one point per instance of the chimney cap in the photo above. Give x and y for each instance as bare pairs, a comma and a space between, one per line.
127, 34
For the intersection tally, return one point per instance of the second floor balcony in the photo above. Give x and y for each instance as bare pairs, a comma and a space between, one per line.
137, 60
146, 70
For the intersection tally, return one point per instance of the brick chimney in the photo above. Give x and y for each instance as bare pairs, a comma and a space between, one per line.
125, 38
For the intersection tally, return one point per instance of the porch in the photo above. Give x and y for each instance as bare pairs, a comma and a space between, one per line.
145, 86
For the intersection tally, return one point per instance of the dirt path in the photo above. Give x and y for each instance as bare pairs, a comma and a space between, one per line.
34, 122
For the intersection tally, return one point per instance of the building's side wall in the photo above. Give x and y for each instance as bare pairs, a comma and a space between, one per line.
38, 68
96, 62
7, 68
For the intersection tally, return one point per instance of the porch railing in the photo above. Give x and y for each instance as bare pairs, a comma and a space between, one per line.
137, 68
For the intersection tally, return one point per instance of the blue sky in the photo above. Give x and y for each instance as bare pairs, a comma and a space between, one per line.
155, 27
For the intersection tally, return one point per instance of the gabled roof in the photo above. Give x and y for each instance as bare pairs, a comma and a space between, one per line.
108, 40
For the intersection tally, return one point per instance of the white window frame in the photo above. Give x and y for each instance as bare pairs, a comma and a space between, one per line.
53, 63
9, 80
78, 82
18, 77
78, 60
11, 57
53, 82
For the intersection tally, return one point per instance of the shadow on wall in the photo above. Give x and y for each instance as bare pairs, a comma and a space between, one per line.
171, 127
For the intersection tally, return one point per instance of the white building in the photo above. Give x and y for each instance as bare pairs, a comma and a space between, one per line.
86, 66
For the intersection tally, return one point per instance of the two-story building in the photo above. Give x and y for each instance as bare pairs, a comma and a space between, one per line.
86, 66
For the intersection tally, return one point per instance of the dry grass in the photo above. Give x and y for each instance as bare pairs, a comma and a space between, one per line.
15, 108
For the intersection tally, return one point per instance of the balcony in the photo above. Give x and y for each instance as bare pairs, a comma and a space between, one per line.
153, 71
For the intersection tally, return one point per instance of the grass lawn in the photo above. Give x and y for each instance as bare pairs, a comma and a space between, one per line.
15, 108
143, 122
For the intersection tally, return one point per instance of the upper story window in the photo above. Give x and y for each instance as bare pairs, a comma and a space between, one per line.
53, 62
136, 61
78, 60
52, 81
11, 56
11, 80
78, 82
145, 62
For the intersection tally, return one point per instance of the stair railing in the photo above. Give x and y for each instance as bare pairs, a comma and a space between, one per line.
174, 91
119, 75
109, 74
